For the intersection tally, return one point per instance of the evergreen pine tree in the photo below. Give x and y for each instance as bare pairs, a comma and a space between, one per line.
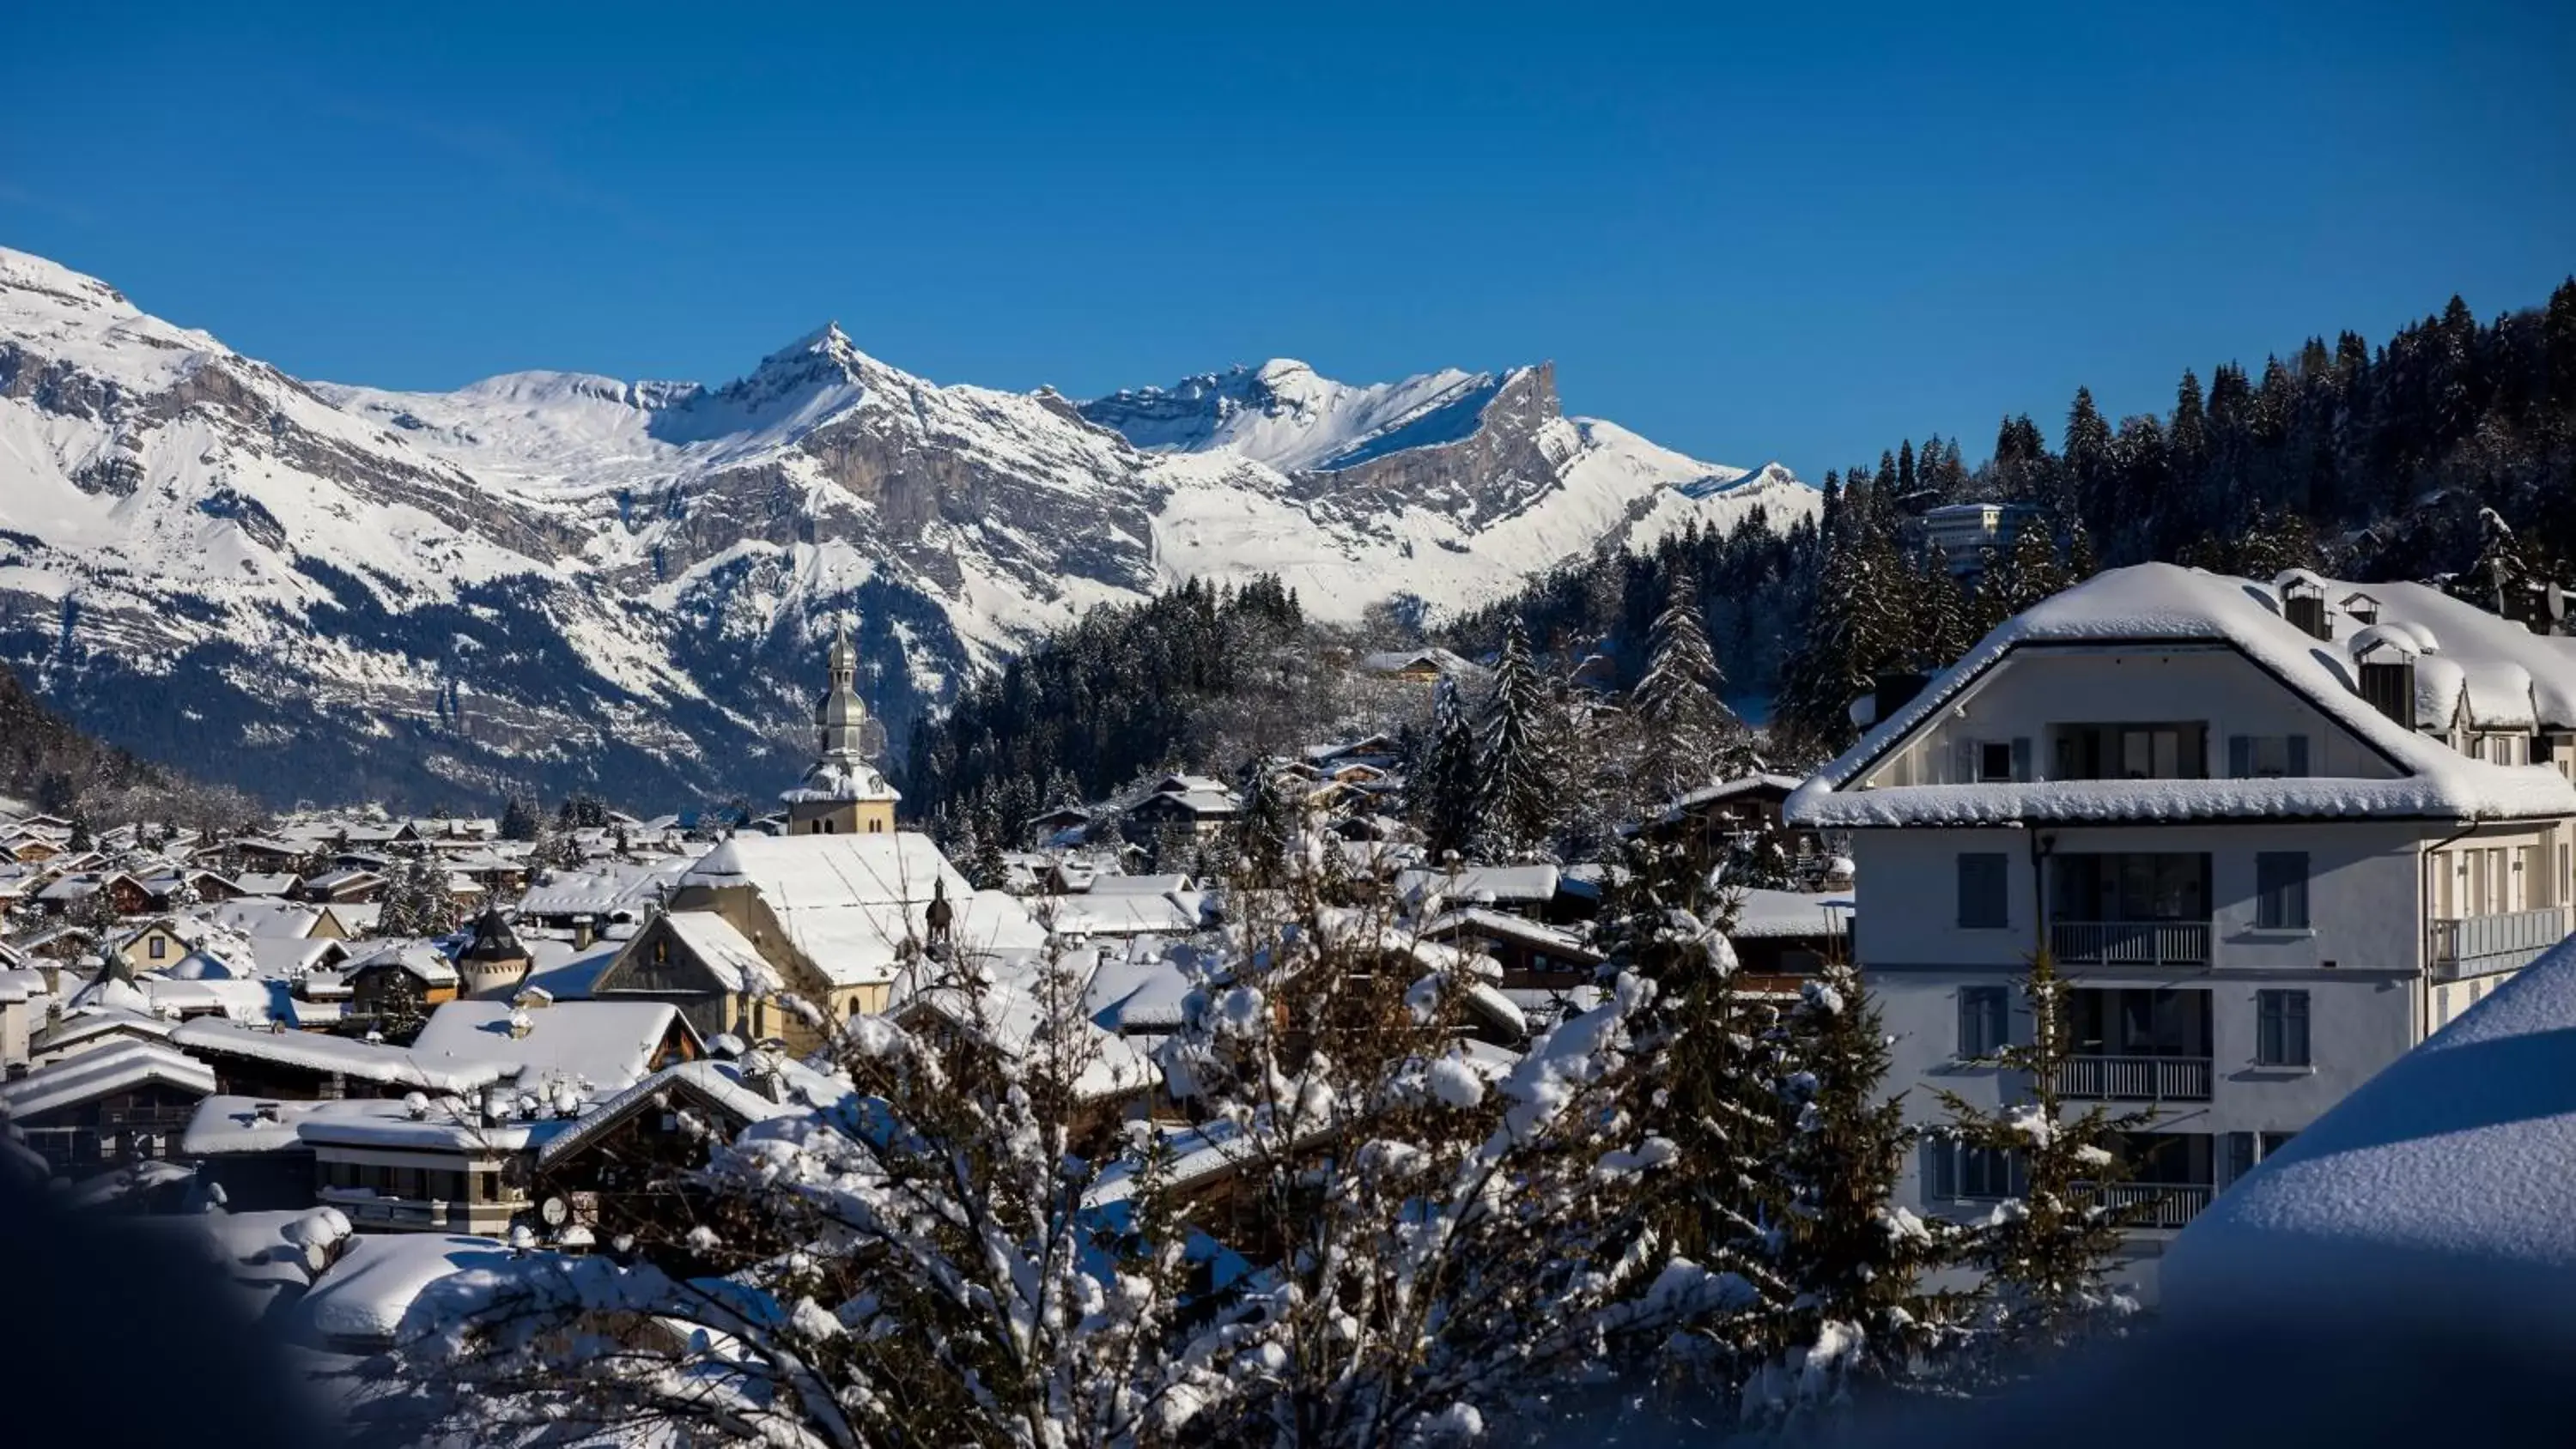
1520, 779
987, 870
1675, 701
1446, 786
1851, 1256
1707, 1054
2048, 1253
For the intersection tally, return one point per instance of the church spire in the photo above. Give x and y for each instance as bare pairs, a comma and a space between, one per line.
840, 718
842, 793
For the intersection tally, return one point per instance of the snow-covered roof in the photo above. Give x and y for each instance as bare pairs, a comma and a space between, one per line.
1729, 789
90, 1075
1769, 914
610, 888
1480, 883
1478, 921
367, 1293
2449, 1169
263, 919
368, 1061
849, 903
2162, 604
420, 958
447, 1124
1142, 992
606, 1044
724, 950
718, 1082
1113, 913
225, 1124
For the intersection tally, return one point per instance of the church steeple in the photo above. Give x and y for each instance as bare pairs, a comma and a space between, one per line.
843, 794
840, 718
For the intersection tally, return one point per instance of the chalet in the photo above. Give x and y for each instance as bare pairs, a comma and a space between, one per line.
69, 1033
125, 895
596, 1047
251, 1148
160, 944
1066, 824
699, 963
1783, 937
311, 1066
1419, 666
417, 1165
1537, 891
346, 885
403, 980
623, 1168
57, 943
107, 1108
1194, 803
1534, 955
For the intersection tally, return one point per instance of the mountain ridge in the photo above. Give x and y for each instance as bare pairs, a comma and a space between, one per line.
566, 580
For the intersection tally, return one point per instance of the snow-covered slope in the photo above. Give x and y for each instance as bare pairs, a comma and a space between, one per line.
556, 579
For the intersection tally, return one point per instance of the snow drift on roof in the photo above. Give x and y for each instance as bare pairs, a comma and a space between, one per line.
2454, 1158
2163, 603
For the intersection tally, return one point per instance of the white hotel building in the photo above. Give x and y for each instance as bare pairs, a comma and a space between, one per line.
2274, 834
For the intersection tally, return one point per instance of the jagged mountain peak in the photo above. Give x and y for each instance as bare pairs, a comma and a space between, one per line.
560, 579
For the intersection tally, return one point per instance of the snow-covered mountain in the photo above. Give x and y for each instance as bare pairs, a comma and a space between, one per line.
559, 579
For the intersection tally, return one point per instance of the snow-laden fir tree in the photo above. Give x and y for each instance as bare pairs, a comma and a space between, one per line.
1709, 1058
1440, 1233
1518, 801
2048, 1251
1445, 785
941, 1256
1851, 1257
1675, 703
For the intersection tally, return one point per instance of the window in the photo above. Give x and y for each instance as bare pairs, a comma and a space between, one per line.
2267, 757
1983, 883
1981, 1020
2244, 1149
158, 948
2130, 886
1956, 1170
2132, 752
1994, 761
2281, 890
2281, 1028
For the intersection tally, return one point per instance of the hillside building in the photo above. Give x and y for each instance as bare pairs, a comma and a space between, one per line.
2271, 841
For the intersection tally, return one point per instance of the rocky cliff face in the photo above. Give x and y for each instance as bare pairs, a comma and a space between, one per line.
558, 580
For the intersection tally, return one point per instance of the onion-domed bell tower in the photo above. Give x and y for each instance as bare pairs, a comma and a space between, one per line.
844, 793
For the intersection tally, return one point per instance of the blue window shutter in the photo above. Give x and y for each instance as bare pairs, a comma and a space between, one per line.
2299, 756
2021, 758
1939, 1160
2240, 757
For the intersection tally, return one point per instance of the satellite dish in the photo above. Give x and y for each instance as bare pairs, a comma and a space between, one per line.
554, 1211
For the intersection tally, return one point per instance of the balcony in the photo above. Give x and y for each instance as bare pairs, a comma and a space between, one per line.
2467, 946
2154, 1204
2134, 1079
2130, 943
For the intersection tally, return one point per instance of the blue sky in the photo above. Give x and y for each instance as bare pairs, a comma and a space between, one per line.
1747, 234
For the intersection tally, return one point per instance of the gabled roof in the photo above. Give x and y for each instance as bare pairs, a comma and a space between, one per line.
367, 1061
851, 903
2162, 605
723, 950
91, 1075
607, 1044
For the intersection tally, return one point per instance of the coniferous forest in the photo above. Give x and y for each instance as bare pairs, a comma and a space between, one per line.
2447, 450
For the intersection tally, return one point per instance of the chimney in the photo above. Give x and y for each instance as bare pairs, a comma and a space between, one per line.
2388, 681
2303, 603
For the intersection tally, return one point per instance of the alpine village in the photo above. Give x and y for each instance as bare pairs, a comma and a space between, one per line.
1855, 954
